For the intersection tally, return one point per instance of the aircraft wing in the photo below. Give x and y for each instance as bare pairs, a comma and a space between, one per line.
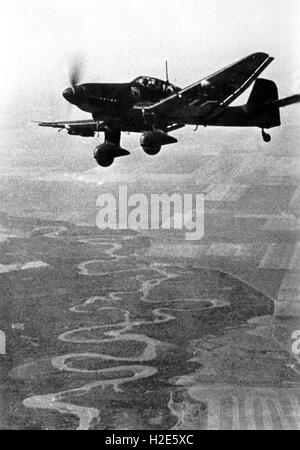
77, 127
216, 91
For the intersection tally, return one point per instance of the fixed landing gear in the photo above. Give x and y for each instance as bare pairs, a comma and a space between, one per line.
106, 153
266, 137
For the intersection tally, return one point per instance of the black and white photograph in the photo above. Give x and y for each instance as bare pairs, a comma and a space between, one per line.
150, 217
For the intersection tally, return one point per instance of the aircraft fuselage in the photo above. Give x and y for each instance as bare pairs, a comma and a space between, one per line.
107, 101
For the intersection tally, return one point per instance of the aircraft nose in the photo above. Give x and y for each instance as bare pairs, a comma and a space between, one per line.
69, 94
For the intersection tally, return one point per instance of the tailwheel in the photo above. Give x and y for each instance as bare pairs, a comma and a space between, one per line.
266, 137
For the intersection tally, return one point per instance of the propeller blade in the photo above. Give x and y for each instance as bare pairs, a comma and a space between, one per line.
75, 73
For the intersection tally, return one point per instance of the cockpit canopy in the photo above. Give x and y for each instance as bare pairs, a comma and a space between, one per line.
155, 84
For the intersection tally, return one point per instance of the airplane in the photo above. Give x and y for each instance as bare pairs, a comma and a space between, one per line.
155, 107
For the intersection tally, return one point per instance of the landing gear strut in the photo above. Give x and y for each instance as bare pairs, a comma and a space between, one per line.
266, 137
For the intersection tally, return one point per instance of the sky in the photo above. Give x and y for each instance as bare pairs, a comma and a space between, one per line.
119, 40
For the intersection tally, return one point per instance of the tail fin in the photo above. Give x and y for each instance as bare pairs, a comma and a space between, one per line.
263, 103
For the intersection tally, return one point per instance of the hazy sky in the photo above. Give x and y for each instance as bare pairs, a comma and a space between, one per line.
122, 39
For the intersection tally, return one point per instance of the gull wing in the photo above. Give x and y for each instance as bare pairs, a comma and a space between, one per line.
216, 91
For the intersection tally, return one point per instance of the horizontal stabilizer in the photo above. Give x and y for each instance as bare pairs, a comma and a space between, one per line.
288, 100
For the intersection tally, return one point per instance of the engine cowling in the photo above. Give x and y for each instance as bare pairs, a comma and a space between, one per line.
105, 153
152, 141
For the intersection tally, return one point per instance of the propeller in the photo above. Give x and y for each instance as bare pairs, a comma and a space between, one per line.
75, 73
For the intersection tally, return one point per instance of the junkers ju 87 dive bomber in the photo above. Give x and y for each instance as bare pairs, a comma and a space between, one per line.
155, 107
